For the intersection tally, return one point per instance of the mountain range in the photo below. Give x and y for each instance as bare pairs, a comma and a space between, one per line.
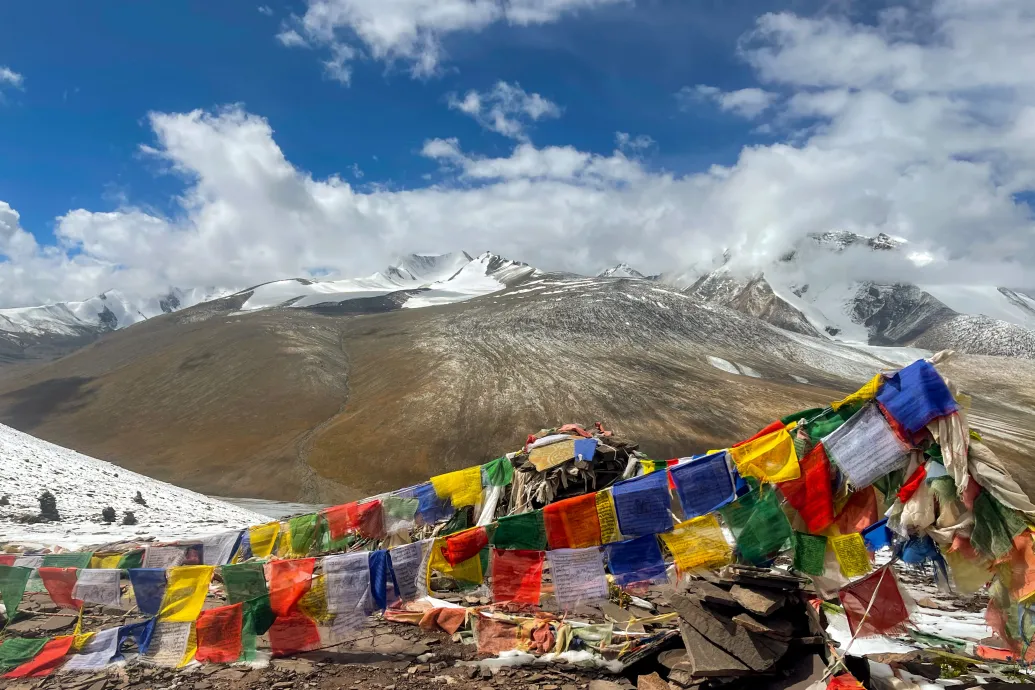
331, 390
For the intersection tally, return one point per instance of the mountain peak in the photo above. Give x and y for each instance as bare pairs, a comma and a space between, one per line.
621, 270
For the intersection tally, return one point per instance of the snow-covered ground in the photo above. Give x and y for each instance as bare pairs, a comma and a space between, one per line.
84, 486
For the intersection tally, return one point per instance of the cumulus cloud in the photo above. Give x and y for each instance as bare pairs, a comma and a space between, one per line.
412, 32
266, 10
898, 138
506, 109
749, 103
634, 144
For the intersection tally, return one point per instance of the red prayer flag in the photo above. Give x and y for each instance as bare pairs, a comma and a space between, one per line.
772, 428
289, 580
859, 512
845, 681
517, 575
219, 634
339, 520
572, 523
368, 519
874, 605
8, 558
50, 658
810, 494
59, 583
293, 634
466, 544
912, 484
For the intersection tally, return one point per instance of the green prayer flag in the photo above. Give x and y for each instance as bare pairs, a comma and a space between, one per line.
499, 472
995, 526
78, 559
330, 545
303, 533
766, 530
810, 551
399, 507
132, 559
523, 531
13, 579
243, 581
15, 651
830, 420
460, 521
736, 514
258, 616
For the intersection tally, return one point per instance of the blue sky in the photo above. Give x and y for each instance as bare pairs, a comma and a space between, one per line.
93, 72
198, 143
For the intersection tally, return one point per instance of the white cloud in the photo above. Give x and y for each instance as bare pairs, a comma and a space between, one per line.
266, 10
505, 109
9, 77
635, 145
289, 38
925, 156
749, 103
412, 31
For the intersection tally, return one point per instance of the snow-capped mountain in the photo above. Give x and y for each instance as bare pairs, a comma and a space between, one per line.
623, 270
53, 329
413, 281
875, 313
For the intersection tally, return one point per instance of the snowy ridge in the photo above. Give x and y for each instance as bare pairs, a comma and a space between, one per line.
440, 279
622, 270
84, 486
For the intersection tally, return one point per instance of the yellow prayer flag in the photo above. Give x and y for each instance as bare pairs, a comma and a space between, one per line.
769, 458
105, 561
192, 647
607, 517
698, 543
262, 538
314, 602
866, 393
463, 487
185, 591
852, 555
551, 455
80, 640
465, 572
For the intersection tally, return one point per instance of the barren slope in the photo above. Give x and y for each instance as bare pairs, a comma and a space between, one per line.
324, 406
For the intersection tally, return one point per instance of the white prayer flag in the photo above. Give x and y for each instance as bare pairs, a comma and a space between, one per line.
219, 547
96, 653
99, 586
406, 562
168, 644
578, 576
164, 557
865, 447
347, 577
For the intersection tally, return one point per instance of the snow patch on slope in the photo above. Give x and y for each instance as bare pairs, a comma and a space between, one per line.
84, 486
986, 300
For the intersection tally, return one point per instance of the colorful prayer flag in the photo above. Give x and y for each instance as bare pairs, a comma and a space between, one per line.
852, 555
865, 447
521, 531
636, 560
219, 634
293, 633
916, 395
99, 587
60, 583
244, 581
578, 576
466, 544
607, 517
703, 484
431, 507
48, 660
302, 534
516, 576
15, 651
810, 494
643, 504
148, 588
809, 553
463, 487
765, 531
875, 604
769, 458
263, 538
859, 512
698, 543
185, 592
865, 394
572, 523
288, 581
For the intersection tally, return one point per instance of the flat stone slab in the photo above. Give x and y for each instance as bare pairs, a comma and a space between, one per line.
760, 602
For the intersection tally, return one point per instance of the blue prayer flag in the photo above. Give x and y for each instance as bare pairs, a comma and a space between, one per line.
431, 508
636, 560
877, 536
643, 504
379, 574
141, 633
703, 484
585, 448
148, 588
916, 395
